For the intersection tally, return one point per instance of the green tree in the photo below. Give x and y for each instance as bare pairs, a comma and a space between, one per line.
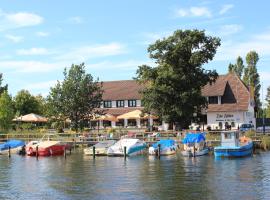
77, 97
173, 88
6, 111
26, 103
238, 67
2, 88
268, 102
252, 77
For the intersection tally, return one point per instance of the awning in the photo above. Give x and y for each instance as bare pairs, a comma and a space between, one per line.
136, 114
30, 118
106, 117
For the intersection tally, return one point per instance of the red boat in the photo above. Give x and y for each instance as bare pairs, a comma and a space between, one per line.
49, 145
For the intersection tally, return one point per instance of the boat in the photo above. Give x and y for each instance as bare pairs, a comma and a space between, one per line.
133, 147
233, 146
167, 147
194, 145
101, 148
14, 146
49, 145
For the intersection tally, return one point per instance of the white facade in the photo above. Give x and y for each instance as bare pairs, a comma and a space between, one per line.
218, 120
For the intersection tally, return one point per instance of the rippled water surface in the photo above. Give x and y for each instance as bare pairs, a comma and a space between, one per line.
142, 177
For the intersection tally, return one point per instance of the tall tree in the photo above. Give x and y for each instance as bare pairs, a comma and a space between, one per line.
2, 88
268, 102
252, 77
6, 111
26, 103
173, 88
238, 67
77, 97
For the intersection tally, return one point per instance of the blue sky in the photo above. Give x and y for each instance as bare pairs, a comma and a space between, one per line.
39, 38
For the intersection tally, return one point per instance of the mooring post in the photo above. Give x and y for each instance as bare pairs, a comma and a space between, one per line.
94, 152
194, 151
9, 153
159, 151
65, 153
69, 150
37, 152
125, 152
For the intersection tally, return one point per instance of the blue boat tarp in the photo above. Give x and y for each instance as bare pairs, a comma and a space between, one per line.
11, 144
164, 143
193, 138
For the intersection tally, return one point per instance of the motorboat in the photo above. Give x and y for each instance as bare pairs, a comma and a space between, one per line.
13, 145
133, 147
167, 147
101, 148
49, 145
232, 145
194, 145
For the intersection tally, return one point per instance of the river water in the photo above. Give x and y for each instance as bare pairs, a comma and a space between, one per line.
142, 177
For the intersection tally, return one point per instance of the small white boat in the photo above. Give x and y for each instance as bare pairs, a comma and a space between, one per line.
167, 147
194, 145
133, 147
101, 148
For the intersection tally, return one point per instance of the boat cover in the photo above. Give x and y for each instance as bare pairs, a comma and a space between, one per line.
164, 143
11, 144
193, 138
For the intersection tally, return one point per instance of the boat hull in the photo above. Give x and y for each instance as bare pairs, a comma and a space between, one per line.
133, 147
197, 153
241, 151
164, 151
53, 150
98, 151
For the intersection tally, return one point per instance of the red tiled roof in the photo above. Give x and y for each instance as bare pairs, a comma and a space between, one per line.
215, 89
239, 91
121, 90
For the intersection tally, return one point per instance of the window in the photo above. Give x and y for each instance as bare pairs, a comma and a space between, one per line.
107, 104
233, 124
120, 103
213, 100
132, 103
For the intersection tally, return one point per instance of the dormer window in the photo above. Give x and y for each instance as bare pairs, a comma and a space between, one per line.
213, 100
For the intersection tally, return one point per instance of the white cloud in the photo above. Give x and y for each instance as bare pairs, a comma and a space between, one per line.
84, 53
193, 12
124, 65
152, 37
14, 38
32, 51
41, 85
225, 8
230, 50
75, 20
18, 20
230, 29
42, 34
31, 66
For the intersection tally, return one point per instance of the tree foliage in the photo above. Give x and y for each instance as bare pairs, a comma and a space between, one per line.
238, 67
173, 88
77, 97
26, 103
252, 77
2, 88
268, 102
6, 111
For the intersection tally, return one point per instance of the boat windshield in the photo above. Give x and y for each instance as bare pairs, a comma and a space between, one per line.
50, 137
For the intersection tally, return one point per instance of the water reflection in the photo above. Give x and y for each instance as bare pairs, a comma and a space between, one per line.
141, 177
